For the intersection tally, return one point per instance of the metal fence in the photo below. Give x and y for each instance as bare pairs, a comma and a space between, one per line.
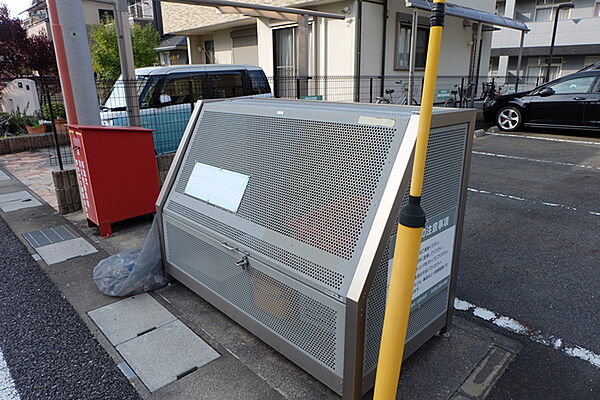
165, 105
370, 89
33, 105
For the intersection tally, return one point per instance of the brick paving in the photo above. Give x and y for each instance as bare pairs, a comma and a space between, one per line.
34, 170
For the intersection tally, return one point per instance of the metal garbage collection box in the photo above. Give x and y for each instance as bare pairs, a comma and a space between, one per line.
116, 168
282, 214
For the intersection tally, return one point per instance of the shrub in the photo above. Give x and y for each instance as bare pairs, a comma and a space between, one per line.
58, 109
16, 122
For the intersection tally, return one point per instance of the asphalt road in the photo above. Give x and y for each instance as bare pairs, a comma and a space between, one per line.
49, 351
531, 252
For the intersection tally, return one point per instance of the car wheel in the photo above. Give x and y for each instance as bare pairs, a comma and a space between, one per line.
509, 119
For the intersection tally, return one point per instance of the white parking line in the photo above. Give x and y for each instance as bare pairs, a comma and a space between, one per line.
534, 335
564, 164
543, 138
7, 385
544, 203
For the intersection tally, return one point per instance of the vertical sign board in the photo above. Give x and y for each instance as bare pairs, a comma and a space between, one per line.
435, 257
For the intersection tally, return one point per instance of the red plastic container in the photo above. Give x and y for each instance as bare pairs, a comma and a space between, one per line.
116, 167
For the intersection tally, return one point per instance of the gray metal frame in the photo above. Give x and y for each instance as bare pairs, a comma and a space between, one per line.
353, 384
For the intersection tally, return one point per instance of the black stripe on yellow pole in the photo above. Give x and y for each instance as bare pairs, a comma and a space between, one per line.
410, 230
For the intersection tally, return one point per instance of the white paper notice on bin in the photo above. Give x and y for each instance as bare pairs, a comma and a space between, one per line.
217, 186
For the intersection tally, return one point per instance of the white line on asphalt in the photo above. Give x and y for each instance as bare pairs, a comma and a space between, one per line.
533, 334
543, 138
564, 164
544, 203
7, 385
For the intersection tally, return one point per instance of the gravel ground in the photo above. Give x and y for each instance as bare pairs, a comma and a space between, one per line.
49, 350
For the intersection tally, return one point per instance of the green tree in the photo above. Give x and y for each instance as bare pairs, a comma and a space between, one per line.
105, 50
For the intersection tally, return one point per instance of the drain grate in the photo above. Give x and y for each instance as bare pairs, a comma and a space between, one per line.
48, 236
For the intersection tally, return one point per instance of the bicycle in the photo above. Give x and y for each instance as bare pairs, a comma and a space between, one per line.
388, 98
459, 97
490, 91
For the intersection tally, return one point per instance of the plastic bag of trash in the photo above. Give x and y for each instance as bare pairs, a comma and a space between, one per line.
132, 271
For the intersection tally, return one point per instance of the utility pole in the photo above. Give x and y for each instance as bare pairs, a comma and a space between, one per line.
127, 65
76, 52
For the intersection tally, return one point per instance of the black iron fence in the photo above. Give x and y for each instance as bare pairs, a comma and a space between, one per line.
371, 89
34, 105
165, 104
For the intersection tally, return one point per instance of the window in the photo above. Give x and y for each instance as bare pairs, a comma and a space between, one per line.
209, 51
223, 84
575, 85
258, 82
105, 16
539, 66
597, 10
403, 40
545, 10
183, 90
500, 8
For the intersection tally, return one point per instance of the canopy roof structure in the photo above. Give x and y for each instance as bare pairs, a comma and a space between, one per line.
471, 14
259, 10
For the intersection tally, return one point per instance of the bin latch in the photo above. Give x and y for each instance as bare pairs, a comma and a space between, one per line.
243, 263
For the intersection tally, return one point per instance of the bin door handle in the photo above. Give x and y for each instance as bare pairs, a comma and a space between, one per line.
228, 247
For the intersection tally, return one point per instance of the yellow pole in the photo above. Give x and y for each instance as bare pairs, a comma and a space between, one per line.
410, 230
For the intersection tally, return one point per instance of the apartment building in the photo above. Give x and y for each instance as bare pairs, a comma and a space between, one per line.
577, 38
373, 39
94, 13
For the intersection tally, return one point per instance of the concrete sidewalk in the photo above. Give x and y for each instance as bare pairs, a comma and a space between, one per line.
464, 365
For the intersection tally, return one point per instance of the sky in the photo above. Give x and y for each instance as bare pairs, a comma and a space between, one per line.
16, 6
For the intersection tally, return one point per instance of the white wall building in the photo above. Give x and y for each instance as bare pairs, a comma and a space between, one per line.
354, 46
577, 38
94, 13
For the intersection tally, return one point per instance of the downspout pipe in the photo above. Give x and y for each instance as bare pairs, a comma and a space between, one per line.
62, 62
383, 47
357, 67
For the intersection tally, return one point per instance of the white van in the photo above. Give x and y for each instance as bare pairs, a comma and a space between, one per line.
167, 96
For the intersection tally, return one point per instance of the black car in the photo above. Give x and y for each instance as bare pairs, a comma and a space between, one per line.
572, 101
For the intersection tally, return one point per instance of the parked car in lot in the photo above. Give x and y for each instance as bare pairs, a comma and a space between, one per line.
572, 101
167, 96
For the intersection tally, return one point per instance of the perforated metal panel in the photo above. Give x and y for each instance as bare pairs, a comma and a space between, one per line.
306, 319
441, 193
287, 257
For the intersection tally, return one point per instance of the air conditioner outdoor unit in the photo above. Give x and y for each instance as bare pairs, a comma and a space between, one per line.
282, 214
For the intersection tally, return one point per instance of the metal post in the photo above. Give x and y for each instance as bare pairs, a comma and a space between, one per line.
383, 46
358, 51
413, 50
473, 90
315, 58
54, 133
410, 230
61, 60
127, 65
77, 53
157, 11
302, 49
561, 7
520, 59
370, 90
552, 46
